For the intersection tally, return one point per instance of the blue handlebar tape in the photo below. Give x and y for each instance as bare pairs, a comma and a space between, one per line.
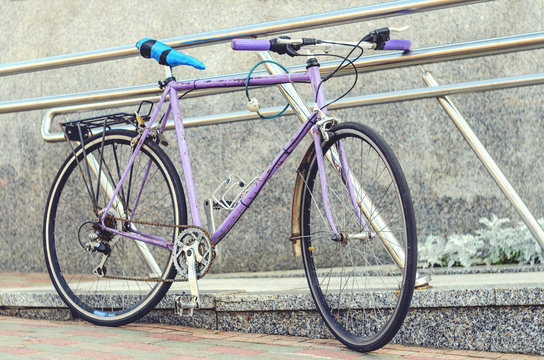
165, 55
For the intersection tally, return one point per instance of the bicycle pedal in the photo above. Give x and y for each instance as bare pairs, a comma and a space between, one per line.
422, 281
180, 306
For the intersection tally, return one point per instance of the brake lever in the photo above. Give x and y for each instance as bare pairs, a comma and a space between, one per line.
380, 36
283, 45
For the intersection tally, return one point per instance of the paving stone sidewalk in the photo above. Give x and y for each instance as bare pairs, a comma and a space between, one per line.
42, 339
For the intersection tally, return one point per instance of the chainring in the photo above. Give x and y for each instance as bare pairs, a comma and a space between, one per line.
206, 252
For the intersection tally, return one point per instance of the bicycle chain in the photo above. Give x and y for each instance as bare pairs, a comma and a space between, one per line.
150, 223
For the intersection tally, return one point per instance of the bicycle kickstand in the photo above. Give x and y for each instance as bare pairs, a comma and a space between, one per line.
194, 303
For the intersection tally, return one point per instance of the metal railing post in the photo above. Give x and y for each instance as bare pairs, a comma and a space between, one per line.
488, 162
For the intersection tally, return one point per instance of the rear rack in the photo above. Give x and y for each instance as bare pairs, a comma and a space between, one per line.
76, 130
81, 129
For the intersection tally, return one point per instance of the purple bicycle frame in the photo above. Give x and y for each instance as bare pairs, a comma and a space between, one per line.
172, 88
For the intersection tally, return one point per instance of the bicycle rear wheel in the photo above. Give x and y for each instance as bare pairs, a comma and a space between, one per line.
136, 275
362, 285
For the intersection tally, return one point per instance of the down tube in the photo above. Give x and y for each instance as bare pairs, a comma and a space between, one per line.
246, 201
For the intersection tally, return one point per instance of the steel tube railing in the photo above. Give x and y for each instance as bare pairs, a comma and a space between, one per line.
374, 99
368, 63
273, 27
488, 163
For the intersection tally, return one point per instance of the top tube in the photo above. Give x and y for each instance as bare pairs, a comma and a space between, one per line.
241, 81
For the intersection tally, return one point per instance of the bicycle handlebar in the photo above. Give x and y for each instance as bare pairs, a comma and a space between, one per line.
250, 44
397, 44
377, 39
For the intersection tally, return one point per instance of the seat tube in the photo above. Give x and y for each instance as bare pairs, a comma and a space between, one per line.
185, 160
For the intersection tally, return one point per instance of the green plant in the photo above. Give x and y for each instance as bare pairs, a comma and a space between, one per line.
428, 251
495, 243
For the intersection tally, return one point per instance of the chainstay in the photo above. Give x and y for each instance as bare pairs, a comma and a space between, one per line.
151, 223
135, 278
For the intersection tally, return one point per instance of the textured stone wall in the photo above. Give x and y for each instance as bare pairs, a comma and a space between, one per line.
450, 188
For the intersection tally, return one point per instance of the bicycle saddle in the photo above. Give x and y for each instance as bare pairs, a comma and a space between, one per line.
165, 55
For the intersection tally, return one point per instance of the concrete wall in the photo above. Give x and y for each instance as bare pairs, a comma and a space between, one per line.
450, 188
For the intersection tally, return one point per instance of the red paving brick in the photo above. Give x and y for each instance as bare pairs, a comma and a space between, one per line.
174, 337
24, 280
423, 357
139, 346
520, 357
51, 341
99, 355
91, 333
182, 357
146, 328
330, 354
233, 350
393, 351
82, 339
17, 351
44, 325
7, 284
217, 335
8, 332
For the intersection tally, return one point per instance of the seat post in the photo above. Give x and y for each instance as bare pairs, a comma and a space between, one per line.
169, 73
169, 76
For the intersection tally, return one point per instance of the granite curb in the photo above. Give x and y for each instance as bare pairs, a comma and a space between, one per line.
480, 312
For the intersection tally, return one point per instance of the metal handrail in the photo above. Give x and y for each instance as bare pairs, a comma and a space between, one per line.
374, 99
488, 162
339, 17
484, 47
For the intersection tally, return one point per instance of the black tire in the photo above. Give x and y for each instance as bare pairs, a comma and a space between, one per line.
360, 290
68, 219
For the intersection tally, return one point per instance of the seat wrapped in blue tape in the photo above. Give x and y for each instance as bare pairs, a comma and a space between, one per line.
165, 55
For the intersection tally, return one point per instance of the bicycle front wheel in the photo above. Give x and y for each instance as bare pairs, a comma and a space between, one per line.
105, 278
363, 283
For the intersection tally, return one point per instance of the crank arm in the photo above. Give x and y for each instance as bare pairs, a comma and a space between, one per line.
191, 255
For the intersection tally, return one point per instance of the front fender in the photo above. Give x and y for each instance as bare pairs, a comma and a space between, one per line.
296, 207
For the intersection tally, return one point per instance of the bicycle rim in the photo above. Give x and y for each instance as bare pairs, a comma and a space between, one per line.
359, 287
134, 271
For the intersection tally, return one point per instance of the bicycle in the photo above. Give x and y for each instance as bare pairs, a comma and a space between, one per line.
116, 230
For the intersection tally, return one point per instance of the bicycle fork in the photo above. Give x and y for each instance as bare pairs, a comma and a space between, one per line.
325, 122
318, 132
